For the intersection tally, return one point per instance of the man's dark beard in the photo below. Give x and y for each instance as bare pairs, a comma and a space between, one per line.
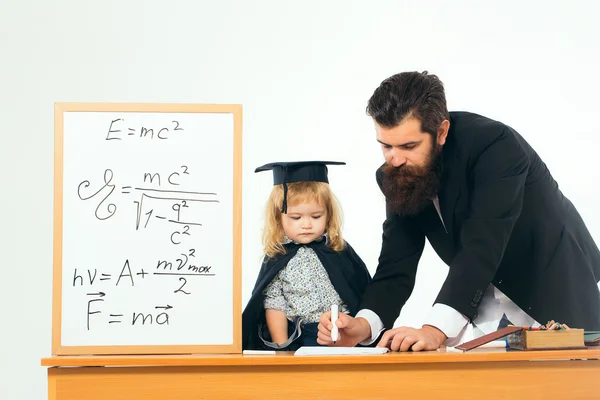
409, 189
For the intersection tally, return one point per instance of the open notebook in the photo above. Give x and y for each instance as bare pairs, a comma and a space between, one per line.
338, 351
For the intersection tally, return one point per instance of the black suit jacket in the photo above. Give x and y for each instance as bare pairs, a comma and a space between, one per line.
507, 223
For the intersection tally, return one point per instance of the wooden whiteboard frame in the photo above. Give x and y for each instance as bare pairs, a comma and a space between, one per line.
59, 110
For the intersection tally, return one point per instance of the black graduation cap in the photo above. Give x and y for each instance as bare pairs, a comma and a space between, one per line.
297, 171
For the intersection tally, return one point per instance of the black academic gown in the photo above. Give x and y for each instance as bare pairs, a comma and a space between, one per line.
347, 272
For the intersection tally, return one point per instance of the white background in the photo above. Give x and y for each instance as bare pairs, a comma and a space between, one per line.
303, 72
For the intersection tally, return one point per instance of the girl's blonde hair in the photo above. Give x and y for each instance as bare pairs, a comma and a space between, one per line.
301, 192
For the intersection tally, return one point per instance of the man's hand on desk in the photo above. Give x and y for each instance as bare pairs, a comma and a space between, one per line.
401, 339
351, 330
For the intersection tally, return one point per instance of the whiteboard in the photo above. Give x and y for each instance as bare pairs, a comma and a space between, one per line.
147, 226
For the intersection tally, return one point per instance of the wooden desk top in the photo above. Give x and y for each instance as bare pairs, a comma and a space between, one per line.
288, 358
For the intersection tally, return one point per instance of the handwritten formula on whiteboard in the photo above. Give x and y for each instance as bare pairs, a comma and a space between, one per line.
147, 243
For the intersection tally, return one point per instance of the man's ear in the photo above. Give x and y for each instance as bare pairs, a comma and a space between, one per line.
442, 133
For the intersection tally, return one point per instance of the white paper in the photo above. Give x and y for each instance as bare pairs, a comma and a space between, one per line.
259, 352
338, 351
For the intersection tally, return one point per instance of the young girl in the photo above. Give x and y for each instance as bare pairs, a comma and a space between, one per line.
307, 267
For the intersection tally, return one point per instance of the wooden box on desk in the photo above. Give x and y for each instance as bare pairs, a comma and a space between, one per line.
546, 339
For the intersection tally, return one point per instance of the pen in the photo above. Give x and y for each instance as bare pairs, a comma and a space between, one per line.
334, 317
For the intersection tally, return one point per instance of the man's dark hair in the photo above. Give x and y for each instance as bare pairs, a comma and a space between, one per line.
410, 94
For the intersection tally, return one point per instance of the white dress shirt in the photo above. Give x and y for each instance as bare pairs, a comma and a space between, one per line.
494, 304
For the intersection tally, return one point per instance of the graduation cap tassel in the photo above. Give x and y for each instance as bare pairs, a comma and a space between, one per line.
284, 205
285, 190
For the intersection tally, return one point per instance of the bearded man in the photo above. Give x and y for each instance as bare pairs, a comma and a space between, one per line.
517, 249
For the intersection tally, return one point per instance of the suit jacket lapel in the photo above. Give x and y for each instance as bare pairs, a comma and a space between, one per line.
451, 183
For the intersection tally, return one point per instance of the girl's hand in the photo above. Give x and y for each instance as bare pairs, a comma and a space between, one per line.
351, 331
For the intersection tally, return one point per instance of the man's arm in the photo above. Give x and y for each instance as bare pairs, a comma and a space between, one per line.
498, 181
394, 280
375, 324
449, 321
446, 319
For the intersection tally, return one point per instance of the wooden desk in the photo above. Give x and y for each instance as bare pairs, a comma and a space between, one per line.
478, 374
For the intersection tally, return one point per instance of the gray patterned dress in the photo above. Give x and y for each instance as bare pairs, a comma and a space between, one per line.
303, 288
